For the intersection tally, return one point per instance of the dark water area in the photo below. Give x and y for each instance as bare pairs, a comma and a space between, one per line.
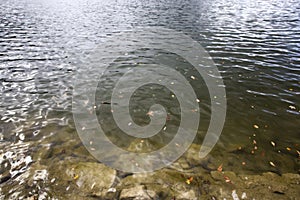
254, 44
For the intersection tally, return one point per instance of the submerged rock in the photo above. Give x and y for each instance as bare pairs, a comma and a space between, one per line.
166, 183
90, 178
266, 186
68, 179
189, 195
137, 193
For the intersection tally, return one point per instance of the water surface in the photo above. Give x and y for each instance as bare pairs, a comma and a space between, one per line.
255, 45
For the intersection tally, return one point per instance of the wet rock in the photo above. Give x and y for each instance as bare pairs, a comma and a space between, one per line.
278, 189
189, 195
181, 164
162, 179
292, 178
167, 183
265, 186
190, 161
141, 145
88, 178
226, 176
93, 177
192, 155
59, 146
137, 193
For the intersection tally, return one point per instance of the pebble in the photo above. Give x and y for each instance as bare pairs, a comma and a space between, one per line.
112, 190
22, 136
234, 195
244, 195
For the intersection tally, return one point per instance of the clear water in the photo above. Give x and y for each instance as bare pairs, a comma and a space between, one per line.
255, 44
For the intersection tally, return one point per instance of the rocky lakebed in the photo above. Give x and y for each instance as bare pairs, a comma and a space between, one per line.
65, 170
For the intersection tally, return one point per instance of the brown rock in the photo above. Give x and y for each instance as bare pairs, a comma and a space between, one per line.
137, 193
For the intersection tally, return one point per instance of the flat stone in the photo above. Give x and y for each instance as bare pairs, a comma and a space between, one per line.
90, 178
94, 177
137, 193
189, 195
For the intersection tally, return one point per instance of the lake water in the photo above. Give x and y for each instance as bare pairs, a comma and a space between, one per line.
254, 44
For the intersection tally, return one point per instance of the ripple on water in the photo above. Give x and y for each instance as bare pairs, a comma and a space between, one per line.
255, 44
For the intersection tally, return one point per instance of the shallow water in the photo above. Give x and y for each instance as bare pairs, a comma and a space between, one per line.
255, 45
